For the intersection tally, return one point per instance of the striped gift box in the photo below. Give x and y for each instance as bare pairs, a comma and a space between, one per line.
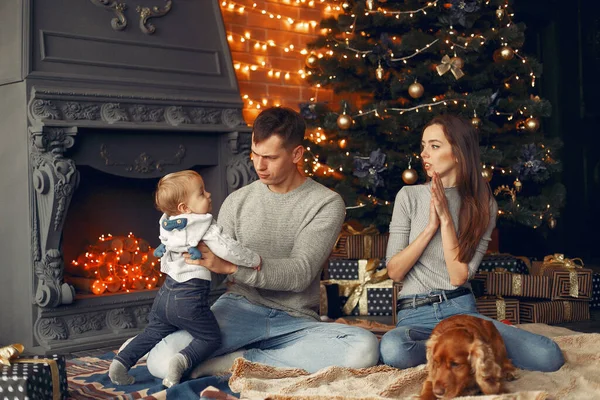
507, 284
567, 283
554, 312
479, 284
360, 246
499, 308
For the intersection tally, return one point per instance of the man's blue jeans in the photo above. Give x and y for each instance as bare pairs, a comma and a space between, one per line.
404, 346
178, 306
275, 338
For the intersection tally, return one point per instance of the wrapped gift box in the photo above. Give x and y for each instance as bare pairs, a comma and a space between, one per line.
330, 302
379, 301
595, 302
375, 300
507, 284
499, 308
356, 280
505, 262
360, 246
479, 284
34, 379
569, 282
347, 269
554, 312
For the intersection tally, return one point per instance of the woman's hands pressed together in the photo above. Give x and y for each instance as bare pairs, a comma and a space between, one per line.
439, 200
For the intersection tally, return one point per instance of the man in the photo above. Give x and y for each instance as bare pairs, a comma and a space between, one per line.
292, 222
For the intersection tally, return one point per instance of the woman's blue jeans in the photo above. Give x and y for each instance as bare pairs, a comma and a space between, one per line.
276, 338
404, 346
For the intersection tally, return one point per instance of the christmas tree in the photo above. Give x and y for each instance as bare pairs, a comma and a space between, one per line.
395, 65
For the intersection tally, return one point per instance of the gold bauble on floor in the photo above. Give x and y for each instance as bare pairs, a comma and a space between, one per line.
409, 176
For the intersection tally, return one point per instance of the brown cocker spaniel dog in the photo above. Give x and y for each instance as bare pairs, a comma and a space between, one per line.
465, 355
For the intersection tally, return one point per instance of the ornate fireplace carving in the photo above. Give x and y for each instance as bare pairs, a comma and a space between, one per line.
55, 117
120, 101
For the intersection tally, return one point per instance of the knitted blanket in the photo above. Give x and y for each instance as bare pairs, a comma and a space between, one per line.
578, 379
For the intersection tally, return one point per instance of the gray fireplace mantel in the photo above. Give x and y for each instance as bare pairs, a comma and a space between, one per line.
131, 103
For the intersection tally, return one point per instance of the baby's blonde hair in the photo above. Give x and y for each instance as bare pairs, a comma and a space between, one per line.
173, 189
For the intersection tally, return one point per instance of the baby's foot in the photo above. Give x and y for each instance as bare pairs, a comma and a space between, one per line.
118, 374
177, 366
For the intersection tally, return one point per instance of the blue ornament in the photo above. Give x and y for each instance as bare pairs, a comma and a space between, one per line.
370, 167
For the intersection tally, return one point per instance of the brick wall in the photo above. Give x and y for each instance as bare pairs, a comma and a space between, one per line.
256, 83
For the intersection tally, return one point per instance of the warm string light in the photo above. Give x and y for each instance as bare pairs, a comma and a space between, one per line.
417, 51
271, 72
428, 105
397, 13
115, 264
524, 61
233, 6
263, 44
259, 104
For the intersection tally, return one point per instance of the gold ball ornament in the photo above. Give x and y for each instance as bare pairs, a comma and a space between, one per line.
487, 174
500, 12
551, 223
379, 72
344, 121
476, 122
518, 185
532, 124
416, 90
311, 61
409, 176
507, 53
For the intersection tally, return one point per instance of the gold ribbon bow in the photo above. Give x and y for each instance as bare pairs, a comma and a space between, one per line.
11, 352
500, 309
560, 259
449, 64
500, 306
571, 264
356, 290
349, 230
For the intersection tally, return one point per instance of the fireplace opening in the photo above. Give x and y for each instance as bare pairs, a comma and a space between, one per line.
110, 232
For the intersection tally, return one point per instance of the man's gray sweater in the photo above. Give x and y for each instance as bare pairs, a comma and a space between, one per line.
293, 233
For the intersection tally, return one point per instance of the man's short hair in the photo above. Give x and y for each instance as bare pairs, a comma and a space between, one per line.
281, 121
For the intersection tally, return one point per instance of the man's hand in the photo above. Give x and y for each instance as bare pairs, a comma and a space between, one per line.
210, 261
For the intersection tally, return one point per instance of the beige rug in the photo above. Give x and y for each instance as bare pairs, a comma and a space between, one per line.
578, 379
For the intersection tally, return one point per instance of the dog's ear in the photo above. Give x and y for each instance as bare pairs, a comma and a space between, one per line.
488, 374
433, 339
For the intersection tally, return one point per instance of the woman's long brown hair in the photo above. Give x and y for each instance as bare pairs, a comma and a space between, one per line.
475, 192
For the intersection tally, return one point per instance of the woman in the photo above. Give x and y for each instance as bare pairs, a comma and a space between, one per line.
438, 235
